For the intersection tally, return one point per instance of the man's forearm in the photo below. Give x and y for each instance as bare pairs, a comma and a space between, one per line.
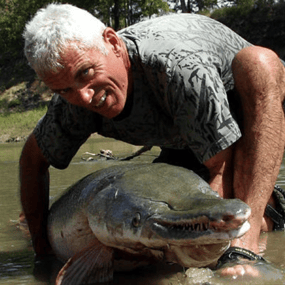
34, 199
34, 179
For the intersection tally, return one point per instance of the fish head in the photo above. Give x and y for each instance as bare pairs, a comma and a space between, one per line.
191, 226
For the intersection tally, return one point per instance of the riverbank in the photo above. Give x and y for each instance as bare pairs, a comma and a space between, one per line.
21, 106
16, 126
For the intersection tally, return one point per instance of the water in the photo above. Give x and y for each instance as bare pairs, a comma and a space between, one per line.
17, 265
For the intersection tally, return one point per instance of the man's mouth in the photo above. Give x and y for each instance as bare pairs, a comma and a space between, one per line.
101, 101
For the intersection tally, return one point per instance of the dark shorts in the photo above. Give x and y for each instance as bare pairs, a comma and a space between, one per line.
184, 158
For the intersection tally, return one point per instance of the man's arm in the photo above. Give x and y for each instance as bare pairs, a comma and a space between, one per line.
34, 179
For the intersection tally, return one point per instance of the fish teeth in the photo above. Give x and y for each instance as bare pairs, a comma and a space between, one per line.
198, 226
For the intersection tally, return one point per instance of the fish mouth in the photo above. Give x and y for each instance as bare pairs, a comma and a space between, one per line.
203, 228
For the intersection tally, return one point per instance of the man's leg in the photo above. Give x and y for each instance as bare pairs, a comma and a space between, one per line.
221, 172
257, 156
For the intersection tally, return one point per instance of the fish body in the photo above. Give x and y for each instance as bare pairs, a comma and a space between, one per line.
129, 214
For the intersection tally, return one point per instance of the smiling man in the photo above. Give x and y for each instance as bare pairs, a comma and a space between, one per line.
186, 83
94, 80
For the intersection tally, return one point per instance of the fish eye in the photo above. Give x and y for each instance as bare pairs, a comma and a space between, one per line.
136, 220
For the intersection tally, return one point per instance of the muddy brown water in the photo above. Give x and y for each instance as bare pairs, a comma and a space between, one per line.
17, 264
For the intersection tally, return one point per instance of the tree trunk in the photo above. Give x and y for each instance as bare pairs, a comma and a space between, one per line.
116, 15
183, 6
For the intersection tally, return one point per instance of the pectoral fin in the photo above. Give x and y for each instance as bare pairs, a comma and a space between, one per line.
94, 264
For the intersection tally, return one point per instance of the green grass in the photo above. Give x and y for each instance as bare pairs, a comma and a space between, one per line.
20, 124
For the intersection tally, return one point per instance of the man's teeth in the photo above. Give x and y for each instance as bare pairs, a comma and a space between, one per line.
102, 100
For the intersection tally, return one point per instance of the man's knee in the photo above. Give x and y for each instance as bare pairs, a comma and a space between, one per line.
255, 57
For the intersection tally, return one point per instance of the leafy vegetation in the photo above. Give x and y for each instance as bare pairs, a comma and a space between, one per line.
261, 22
192, 6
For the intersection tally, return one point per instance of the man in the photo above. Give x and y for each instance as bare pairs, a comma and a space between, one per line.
185, 83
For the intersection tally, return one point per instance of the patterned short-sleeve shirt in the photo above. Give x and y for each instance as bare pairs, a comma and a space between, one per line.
181, 67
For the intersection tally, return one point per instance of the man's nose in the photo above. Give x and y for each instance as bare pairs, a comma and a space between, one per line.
85, 95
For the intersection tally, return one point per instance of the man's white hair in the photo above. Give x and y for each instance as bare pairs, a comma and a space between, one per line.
54, 28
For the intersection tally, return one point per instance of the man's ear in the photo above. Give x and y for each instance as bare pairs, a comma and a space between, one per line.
110, 37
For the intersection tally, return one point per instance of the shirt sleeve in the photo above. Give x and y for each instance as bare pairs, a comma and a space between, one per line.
200, 107
62, 130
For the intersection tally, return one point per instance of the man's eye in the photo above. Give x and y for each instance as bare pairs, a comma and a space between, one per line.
86, 71
89, 72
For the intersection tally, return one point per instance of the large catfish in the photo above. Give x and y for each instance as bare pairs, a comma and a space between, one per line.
130, 214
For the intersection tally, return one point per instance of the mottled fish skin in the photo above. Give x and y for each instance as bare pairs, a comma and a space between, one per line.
128, 214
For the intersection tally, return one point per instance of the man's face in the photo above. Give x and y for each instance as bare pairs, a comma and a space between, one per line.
92, 80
